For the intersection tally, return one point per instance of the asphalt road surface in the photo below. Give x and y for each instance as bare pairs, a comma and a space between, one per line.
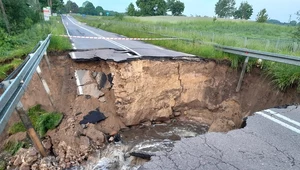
117, 50
270, 141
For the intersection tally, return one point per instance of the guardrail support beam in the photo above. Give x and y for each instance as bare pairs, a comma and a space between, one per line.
30, 130
46, 87
47, 60
238, 88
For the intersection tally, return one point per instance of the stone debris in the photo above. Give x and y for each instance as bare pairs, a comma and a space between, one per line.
141, 155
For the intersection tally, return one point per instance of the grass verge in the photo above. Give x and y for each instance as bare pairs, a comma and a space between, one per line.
41, 120
13, 48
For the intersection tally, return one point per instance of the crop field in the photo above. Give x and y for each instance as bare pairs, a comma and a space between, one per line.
198, 35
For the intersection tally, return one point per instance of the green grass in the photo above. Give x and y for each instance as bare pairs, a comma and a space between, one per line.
13, 147
13, 48
203, 33
41, 120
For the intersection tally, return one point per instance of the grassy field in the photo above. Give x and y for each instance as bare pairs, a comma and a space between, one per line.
202, 33
14, 48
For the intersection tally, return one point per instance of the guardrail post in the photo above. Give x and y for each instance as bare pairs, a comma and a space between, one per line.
30, 130
238, 88
47, 60
245, 42
295, 46
45, 85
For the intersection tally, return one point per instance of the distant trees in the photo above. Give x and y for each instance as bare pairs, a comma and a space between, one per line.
155, 7
71, 7
176, 7
90, 9
225, 8
131, 10
16, 15
99, 10
245, 11
262, 16
152, 7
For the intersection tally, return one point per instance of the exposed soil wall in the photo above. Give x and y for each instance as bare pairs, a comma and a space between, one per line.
155, 90
147, 91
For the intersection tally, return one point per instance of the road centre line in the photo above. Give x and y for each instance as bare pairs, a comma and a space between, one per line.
113, 42
283, 117
279, 122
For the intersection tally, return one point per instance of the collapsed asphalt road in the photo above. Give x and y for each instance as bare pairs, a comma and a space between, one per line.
269, 141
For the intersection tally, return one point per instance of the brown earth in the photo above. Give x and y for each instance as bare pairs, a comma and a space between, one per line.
143, 91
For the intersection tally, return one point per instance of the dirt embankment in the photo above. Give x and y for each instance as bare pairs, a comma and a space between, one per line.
147, 91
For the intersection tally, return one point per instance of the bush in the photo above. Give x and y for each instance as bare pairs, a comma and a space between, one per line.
41, 120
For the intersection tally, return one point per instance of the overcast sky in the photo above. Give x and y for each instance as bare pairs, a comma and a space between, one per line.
277, 9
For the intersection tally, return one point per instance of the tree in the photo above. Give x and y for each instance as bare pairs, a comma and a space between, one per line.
90, 9
225, 8
293, 23
4, 16
262, 16
176, 7
152, 7
71, 7
19, 15
297, 31
245, 11
99, 10
131, 10
57, 6
85, 3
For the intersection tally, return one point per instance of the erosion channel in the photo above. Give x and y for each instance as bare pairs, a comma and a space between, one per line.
147, 105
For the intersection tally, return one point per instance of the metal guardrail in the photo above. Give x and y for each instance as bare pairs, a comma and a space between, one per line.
16, 83
287, 59
293, 60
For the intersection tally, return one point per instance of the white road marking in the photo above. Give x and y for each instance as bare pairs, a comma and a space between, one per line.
160, 48
74, 47
80, 89
113, 42
283, 117
279, 122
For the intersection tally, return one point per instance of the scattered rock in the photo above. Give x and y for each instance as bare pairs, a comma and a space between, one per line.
83, 126
84, 143
20, 136
47, 143
48, 163
88, 96
141, 155
79, 113
93, 117
18, 161
111, 139
24, 166
102, 99
94, 134
176, 114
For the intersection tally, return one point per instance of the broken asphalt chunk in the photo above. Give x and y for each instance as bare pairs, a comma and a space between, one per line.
94, 117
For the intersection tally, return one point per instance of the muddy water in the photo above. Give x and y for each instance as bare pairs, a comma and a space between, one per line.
145, 139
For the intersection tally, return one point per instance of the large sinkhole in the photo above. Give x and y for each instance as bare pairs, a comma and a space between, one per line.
146, 103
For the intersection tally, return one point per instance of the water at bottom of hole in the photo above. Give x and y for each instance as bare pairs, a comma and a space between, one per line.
145, 140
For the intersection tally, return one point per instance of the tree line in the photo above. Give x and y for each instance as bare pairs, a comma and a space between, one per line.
227, 9
155, 8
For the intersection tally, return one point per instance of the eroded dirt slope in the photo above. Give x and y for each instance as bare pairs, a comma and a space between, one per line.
146, 91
